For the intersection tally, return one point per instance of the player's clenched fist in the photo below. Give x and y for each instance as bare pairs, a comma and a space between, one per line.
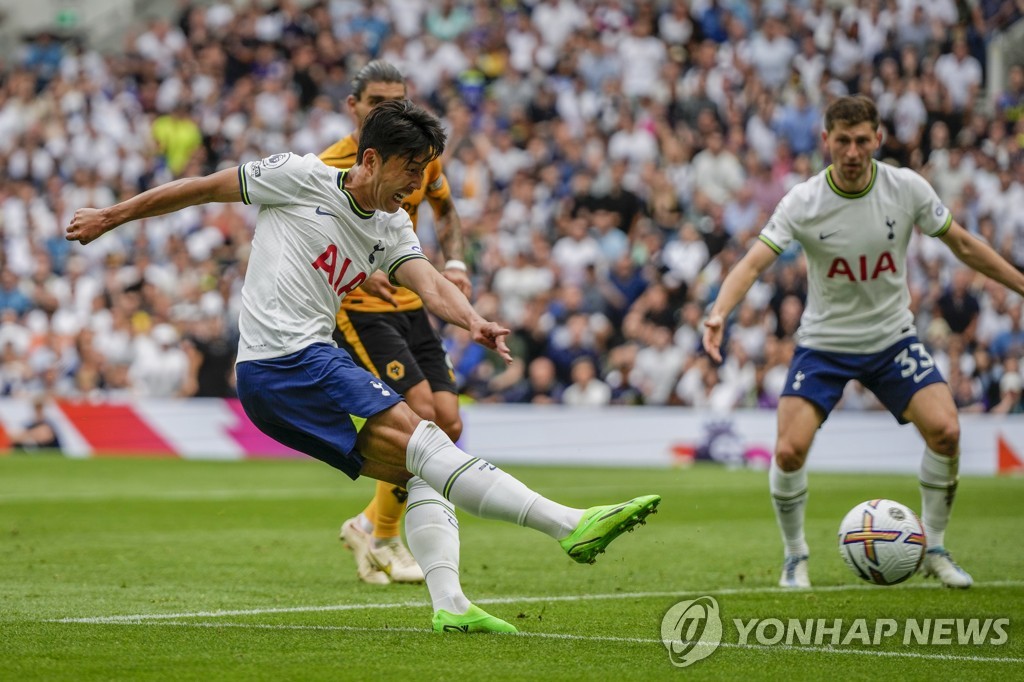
86, 225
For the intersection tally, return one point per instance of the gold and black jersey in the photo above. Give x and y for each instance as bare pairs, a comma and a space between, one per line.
342, 154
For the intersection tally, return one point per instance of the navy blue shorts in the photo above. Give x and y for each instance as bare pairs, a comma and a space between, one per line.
894, 375
314, 401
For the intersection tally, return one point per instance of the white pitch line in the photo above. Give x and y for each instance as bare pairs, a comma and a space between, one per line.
515, 600
603, 638
240, 612
171, 495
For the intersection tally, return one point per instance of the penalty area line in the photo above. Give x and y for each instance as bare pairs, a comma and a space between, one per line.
677, 594
596, 638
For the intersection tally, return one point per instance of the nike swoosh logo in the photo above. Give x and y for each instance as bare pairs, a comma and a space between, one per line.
922, 375
320, 211
613, 512
822, 235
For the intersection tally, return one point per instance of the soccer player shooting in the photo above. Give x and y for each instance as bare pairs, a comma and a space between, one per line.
320, 233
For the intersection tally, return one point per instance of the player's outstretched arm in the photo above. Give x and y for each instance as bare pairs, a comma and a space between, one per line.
90, 223
735, 286
982, 258
446, 301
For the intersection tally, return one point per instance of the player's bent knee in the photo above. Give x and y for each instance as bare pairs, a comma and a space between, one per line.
789, 458
452, 427
387, 425
405, 418
424, 410
421, 400
944, 439
384, 472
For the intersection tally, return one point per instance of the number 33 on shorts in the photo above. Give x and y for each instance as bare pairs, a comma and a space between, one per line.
915, 361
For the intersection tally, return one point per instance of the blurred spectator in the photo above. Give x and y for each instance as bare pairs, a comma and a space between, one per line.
642, 56
211, 356
586, 388
1009, 395
960, 74
161, 44
468, 361
675, 26
913, 28
612, 194
160, 367
701, 387
518, 282
771, 52
658, 364
717, 171
448, 20
1009, 343
540, 386
574, 252
177, 137
39, 433
556, 20
959, 307
1010, 102
632, 142
12, 297
684, 257
800, 124
712, 20
43, 55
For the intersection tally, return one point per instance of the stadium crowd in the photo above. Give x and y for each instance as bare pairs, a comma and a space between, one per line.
610, 161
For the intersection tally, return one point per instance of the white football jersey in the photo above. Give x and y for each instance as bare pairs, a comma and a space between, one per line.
856, 245
313, 244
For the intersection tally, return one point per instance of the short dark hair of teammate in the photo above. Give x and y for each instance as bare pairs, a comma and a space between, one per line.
399, 127
377, 71
850, 111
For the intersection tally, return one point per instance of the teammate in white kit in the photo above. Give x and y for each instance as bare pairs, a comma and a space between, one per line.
854, 220
319, 233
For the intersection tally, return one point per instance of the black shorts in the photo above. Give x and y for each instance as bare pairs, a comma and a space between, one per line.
402, 348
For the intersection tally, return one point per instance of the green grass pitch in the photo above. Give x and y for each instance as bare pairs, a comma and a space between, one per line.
172, 570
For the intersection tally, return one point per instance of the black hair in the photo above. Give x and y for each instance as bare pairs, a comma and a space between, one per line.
377, 71
399, 127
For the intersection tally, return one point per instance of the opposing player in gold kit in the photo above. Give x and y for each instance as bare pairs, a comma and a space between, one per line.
387, 330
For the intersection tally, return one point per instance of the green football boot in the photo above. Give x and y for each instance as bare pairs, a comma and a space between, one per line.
473, 620
600, 525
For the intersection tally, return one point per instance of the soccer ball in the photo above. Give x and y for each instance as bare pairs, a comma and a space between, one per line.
882, 541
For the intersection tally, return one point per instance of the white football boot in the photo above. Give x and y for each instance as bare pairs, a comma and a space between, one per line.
794, 573
359, 541
939, 564
397, 562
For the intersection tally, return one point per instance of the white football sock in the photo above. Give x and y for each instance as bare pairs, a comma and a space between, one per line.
789, 497
433, 536
481, 488
938, 480
364, 523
